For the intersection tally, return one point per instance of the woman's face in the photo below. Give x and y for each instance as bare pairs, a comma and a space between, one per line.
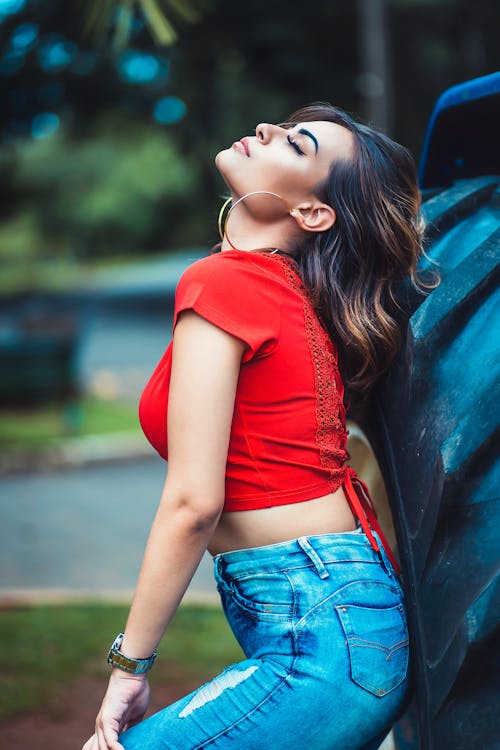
287, 161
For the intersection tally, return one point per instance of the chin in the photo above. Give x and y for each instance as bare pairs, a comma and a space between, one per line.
221, 158
222, 163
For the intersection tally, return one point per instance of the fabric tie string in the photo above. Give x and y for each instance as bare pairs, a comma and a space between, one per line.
363, 508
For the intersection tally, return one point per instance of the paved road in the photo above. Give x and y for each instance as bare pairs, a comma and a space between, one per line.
83, 529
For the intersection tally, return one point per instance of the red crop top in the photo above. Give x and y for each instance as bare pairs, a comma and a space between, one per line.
288, 436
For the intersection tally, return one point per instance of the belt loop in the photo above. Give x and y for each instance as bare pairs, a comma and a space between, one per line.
307, 548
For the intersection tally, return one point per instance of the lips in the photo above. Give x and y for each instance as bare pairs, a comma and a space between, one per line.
242, 146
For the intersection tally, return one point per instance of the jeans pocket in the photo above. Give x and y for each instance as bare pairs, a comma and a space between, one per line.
377, 639
264, 594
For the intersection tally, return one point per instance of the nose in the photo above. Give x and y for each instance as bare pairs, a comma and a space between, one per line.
265, 131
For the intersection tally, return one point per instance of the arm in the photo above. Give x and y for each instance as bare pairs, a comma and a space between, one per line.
205, 369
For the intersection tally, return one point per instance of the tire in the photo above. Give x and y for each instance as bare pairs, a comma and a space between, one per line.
433, 425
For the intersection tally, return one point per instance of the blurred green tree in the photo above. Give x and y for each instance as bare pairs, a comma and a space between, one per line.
108, 145
99, 195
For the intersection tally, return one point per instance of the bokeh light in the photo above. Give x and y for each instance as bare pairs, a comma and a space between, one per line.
169, 109
142, 67
44, 125
56, 53
9, 7
24, 36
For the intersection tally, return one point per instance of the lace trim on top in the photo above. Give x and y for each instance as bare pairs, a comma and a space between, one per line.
331, 434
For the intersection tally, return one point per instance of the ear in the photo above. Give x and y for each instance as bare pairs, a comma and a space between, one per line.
314, 217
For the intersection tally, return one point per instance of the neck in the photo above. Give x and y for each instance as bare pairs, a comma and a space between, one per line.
247, 234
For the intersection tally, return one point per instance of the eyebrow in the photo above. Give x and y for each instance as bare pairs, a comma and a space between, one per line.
313, 138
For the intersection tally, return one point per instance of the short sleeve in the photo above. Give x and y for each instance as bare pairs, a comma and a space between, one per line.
237, 296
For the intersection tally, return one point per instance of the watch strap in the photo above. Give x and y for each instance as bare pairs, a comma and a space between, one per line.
117, 658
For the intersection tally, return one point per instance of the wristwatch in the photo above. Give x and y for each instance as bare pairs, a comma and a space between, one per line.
134, 666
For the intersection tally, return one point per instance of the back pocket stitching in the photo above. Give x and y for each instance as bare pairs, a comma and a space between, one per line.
353, 641
363, 643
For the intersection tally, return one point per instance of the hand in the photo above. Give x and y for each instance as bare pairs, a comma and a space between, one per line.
124, 705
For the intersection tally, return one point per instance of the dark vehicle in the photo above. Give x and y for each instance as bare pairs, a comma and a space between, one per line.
433, 425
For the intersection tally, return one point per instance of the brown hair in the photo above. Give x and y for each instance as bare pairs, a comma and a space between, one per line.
353, 269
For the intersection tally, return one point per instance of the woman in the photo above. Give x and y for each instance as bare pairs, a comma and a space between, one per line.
323, 225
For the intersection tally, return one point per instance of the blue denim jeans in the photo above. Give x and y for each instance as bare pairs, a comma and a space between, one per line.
322, 623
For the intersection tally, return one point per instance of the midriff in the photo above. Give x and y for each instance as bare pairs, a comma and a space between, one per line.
255, 528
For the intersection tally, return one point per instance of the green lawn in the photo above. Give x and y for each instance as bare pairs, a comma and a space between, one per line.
34, 428
45, 648
27, 275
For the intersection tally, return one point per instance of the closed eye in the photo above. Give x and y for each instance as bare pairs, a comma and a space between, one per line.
295, 146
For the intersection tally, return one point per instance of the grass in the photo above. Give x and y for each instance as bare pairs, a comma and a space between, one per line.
34, 428
45, 648
55, 274
28, 275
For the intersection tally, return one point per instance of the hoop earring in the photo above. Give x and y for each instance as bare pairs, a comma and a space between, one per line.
222, 228
222, 221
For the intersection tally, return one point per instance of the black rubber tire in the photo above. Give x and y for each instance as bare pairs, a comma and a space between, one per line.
433, 425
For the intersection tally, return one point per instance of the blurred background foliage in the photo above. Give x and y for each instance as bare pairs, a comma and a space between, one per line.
113, 111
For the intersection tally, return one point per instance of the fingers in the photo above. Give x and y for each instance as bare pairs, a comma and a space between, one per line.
103, 740
124, 704
111, 740
103, 745
106, 739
